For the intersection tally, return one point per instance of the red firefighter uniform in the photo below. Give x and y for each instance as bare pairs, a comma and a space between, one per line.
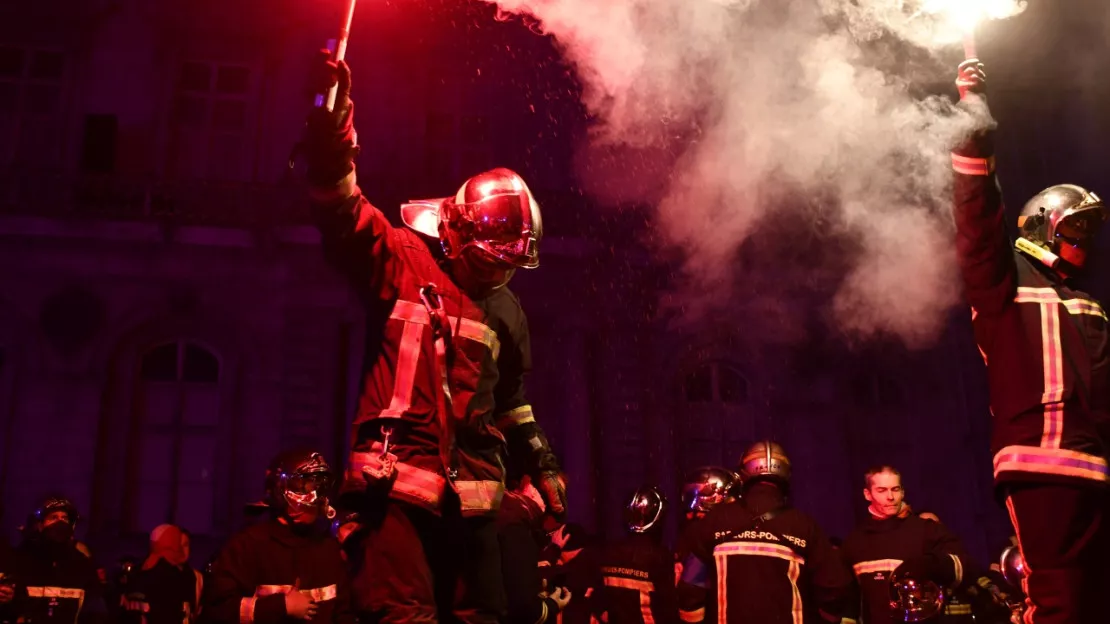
637, 581
265, 561
476, 356
878, 546
1044, 342
761, 561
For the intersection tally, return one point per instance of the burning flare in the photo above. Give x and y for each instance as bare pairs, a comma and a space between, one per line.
965, 15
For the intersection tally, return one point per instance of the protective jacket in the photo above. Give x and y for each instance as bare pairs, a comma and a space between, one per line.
878, 546
56, 584
637, 581
265, 561
1044, 342
761, 561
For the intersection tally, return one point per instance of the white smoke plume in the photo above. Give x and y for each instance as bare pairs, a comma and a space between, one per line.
771, 101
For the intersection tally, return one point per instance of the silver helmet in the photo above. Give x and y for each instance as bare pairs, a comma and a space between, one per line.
707, 487
913, 599
1012, 565
765, 460
1061, 215
645, 510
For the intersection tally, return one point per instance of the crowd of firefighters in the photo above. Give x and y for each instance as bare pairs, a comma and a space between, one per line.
452, 506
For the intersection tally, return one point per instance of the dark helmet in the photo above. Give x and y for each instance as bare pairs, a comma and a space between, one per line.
765, 461
299, 479
645, 510
707, 487
1064, 214
913, 599
51, 504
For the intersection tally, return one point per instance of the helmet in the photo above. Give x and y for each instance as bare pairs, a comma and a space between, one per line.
495, 213
912, 599
645, 511
299, 480
56, 503
707, 487
1012, 565
1061, 214
765, 461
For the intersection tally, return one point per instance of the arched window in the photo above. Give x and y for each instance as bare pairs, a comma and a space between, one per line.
177, 430
714, 420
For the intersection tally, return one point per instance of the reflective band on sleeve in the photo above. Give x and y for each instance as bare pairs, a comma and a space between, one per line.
880, 565
479, 496
692, 617
972, 166
519, 416
56, 592
957, 609
319, 594
246, 610
413, 485
959, 570
1058, 462
543, 612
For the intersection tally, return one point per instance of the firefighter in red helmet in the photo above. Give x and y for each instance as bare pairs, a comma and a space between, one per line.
443, 397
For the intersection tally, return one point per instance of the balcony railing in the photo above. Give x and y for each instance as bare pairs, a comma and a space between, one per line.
229, 204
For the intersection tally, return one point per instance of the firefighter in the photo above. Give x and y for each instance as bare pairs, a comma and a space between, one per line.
444, 392
893, 537
286, 568
55, 583
762, 560
637, 572
166, 590
521, 536
1047, 352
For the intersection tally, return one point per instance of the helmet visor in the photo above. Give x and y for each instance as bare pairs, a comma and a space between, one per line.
308, 483
499, 225
1080, 227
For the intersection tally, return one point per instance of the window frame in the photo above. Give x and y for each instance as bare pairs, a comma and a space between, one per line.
176, 428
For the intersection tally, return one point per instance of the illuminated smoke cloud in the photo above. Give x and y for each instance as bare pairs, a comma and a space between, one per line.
781, 111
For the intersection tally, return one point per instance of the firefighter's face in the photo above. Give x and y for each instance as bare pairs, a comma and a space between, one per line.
885, 494
479, 273
55, 517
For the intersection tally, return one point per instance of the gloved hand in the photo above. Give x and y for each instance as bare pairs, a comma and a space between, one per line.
554, 492
330, 143
971, 78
